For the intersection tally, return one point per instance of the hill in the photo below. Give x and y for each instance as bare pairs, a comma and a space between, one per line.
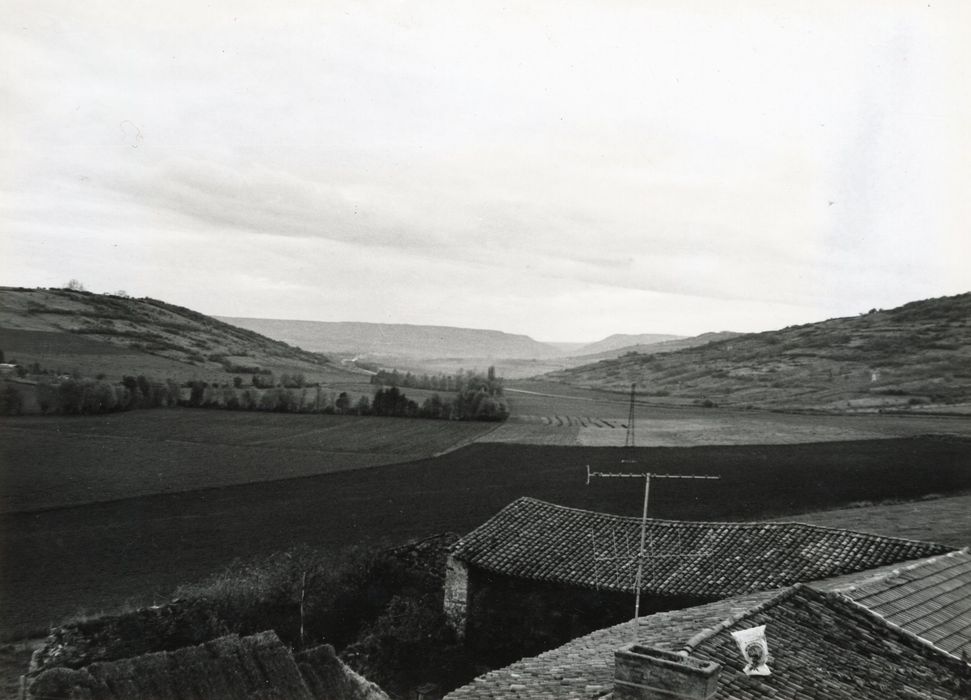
679, 343
917, 356
526, 369
623, 340
77, 331
398, 339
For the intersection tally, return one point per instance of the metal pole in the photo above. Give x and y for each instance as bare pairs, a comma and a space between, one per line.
647, 494
640, 558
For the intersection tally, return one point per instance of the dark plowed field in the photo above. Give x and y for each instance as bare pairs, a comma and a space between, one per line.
59, 461
57, 562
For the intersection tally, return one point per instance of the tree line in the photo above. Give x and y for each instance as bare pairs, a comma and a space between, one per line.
84, 396
477, 401
438, 382
476, 396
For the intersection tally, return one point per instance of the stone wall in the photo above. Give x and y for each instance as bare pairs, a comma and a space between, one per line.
457, 595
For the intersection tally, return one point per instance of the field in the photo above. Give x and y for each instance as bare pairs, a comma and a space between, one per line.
946, 520
550, 414
69, 353
61, 461
96, 512
98, 556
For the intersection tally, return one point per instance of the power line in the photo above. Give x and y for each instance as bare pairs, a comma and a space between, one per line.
629, 438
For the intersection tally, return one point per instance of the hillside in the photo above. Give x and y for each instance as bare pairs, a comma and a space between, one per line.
623, 340
76, 331
398, 339
651, 348
917, 356
518, 368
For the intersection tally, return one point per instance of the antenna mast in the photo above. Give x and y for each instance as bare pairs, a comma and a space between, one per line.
647, 494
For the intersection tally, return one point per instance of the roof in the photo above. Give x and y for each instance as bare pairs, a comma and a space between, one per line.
258, 667
329, 679
536, 540
822, 646
930, 598
584, 668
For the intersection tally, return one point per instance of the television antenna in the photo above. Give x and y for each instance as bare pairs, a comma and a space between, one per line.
639, 577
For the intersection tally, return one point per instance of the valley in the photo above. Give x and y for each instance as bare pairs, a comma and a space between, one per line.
117, 510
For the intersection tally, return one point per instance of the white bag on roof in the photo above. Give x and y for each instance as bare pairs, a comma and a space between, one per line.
755, 650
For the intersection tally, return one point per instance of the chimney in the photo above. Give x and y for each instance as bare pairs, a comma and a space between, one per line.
643, 673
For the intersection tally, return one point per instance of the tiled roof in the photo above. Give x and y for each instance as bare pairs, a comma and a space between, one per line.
537, 540
930, 598
822, 646
258, 667
584, 668
328, 678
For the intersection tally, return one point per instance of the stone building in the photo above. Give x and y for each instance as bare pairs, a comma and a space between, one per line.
534, 545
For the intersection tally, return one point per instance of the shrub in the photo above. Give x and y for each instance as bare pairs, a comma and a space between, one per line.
408, 644
304, 595
11, 402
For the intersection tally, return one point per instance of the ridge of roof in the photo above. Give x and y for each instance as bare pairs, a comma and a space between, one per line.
864, 583
536, 540
743, 524
710, 632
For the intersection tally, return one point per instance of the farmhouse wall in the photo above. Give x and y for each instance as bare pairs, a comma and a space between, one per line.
457, 595
507, 618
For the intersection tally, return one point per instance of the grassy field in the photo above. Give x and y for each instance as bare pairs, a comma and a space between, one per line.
941, 519
98, 556
57, 461
549, 414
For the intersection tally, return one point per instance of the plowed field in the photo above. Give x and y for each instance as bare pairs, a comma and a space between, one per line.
54, 461
98, 556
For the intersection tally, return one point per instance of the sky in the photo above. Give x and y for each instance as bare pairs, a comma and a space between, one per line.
567, 170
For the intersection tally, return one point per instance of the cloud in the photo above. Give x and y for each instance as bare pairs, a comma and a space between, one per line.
431, 220
763, 162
